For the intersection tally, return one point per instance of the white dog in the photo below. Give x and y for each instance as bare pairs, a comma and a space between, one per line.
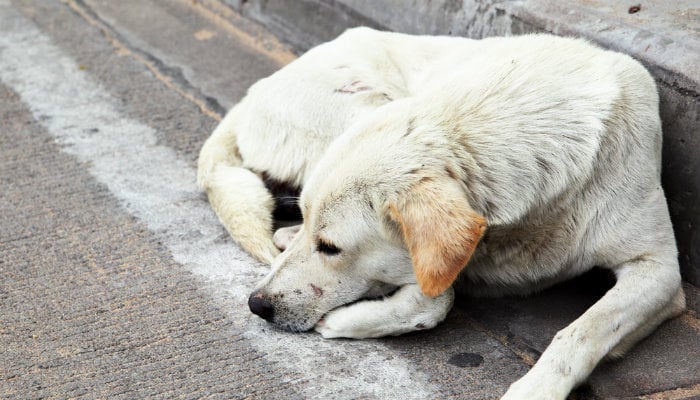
514, 163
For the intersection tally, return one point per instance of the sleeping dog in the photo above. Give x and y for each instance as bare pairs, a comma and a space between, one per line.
506, 164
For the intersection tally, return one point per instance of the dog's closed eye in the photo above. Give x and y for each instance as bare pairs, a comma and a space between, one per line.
327, 248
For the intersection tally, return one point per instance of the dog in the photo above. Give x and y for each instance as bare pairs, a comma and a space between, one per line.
505, 165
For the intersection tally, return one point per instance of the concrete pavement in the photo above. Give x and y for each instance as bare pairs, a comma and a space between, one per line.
117, 281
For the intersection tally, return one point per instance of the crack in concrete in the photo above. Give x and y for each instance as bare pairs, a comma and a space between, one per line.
220, 15
690, 318
674, 394
170, 76
524, 356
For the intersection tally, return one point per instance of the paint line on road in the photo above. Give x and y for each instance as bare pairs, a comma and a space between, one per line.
159, 189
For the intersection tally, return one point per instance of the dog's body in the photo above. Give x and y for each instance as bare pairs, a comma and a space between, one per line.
410, 151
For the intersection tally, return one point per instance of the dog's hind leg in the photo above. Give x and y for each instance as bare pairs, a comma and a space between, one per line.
405, 311
237, 195
646, 293
283, 236
220, 148
244, 206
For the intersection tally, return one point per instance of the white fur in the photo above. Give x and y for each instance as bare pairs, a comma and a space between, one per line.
405, 146
407, 310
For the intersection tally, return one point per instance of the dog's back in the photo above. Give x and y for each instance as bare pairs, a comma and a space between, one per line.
560, 144
285, 123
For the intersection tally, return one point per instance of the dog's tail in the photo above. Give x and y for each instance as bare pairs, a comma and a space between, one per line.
237, 195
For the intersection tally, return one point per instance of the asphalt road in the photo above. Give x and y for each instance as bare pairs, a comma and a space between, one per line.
117, 281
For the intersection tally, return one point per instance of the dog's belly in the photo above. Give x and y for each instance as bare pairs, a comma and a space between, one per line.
479, 281
508, 262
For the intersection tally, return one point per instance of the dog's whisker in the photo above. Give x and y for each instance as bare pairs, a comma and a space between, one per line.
296, 198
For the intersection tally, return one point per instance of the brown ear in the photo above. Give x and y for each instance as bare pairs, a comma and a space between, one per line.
441, 231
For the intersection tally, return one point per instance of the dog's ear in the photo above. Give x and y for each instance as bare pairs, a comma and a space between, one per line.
440, 230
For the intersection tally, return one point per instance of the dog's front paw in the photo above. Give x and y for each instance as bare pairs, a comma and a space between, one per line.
407, 310
330, 328
346, 322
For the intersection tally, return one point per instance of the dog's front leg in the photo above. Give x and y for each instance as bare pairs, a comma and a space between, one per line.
646, 293
405, 311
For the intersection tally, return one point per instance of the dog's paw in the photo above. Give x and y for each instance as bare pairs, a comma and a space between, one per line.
331, 330
284, 236
349, 322
358, 321
407, 310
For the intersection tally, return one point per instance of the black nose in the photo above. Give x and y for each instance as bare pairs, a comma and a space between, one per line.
260, 306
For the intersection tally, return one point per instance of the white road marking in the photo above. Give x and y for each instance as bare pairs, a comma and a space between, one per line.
159, 189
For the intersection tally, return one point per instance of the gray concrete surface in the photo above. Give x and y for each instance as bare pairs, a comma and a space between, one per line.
116, 280
664, 35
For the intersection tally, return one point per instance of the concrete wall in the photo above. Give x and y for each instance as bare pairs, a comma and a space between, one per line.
664, 36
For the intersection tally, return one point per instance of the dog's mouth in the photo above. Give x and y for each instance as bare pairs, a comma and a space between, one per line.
378, 292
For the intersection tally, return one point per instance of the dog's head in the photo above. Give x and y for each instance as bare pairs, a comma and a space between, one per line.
372, 223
